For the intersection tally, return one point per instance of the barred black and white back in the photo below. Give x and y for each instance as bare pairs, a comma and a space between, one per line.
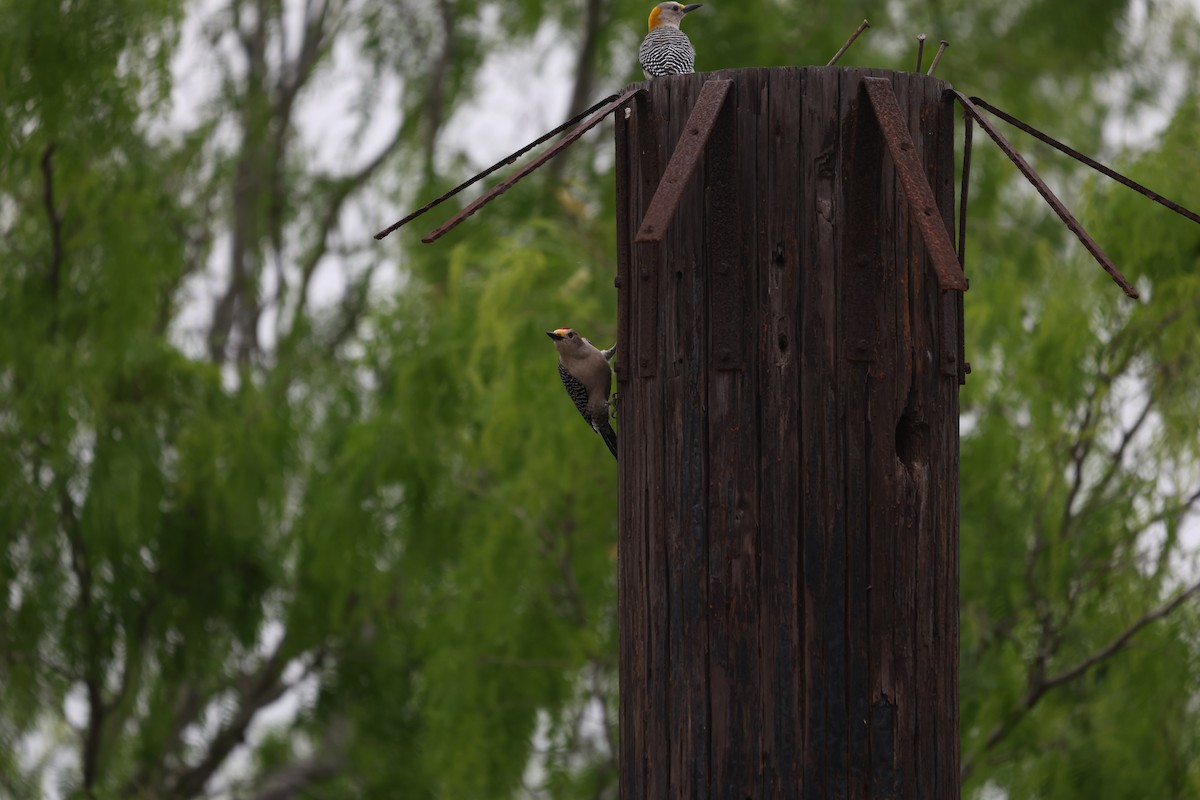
577, 391
666, 50
579, 396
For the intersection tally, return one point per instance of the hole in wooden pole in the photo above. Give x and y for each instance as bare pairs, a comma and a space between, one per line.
912, 439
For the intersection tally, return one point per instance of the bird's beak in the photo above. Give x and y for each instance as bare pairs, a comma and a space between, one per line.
558, 337
692, 7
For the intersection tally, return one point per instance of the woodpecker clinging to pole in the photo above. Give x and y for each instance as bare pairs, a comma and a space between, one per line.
586, 374
666, 49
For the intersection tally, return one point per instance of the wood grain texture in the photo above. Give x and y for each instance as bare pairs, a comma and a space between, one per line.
788, 577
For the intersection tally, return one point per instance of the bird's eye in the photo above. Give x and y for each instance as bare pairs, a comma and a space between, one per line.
571, 335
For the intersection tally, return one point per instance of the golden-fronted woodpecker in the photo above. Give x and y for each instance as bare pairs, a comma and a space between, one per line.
666, 49
586, 374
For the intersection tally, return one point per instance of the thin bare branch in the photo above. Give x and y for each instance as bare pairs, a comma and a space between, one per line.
290, 779
124, 701
93, 667
248, 187
1121, 640
585, 60
314, 45
1039, 685
54, 276
343, 189
257, 690
439, 74
585, 68
528, 663
1172, 516
1081, 448
293, 76
1117, 456
13, 657
151, 778
197, 243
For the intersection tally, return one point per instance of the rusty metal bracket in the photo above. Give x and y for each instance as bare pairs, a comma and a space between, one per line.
1072, 224
917, 191
510, 158
683, 161
1091, 162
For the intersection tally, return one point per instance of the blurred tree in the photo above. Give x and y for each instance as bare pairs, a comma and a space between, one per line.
288, 513
1081, 477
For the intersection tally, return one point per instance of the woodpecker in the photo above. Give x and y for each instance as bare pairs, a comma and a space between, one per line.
587, 376
666, 49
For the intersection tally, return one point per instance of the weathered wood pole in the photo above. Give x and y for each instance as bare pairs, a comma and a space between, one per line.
789, 375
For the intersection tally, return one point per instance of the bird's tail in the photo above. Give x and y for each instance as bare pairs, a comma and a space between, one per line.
608, 435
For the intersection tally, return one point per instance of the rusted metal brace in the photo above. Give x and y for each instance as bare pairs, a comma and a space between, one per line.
1065, 215
608, 105
696, 130
917, 191
1091, 162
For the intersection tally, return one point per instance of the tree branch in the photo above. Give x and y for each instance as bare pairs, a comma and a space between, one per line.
1172, 517
150, 779
559, 664
258, 690
354, 304
93, 669
124, 702
438, 78
1116, 456
585, 70
290, 779
34, 659
293, 77
247, 189
1121, 640
343, 188
1040, 685
196, 247
54, 277
1080, 450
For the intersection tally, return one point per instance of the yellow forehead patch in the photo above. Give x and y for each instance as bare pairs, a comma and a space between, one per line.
563, 331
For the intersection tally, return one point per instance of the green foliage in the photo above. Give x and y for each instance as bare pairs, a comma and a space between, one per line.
1080, 467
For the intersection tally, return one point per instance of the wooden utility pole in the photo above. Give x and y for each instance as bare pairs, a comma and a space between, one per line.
789, 376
